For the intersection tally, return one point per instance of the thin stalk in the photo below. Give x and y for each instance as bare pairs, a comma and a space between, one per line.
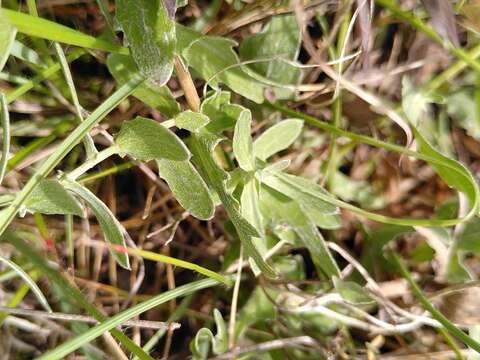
67, 145
94, 161
5, 120
447, 324
87, 140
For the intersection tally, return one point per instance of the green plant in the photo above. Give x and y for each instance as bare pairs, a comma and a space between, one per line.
206, 155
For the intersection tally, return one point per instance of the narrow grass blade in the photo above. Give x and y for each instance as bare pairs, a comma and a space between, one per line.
68, 144
33, 286
71, 293
5, 120
66, 348
454, 330
88, 141
44, 74
38, 27
176, 262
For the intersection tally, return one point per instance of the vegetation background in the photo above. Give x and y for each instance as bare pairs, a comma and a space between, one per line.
238, 179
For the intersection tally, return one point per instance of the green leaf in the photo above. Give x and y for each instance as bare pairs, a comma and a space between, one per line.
188, 187
469, 239
22, 52
111, 228
462, 106
71, 345
280, 38
200, 345
32, 285
150, 32
352, 292
215, 61
50, 197
160, 98
242, 141
202, 146
191, 121
286, 212
146, 139
250, 209
7, 38
222, 114
277, 138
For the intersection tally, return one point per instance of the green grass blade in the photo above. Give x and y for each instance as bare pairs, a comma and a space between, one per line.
75, 343
44, 74
74, 295
33, 286
458, 333
88, 141
68, 144
5, 121
176, 262
49, 30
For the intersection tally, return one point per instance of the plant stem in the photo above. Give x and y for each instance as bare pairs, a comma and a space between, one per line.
428, 305
94, 161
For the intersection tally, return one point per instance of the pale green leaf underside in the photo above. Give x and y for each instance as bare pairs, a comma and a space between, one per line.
188, 187
50, 197
160, 98
191, 121
150, 34
146, 139
111, 228
277, 138
242, 141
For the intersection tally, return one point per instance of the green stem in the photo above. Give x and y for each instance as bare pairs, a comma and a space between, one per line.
94, 161
447, 324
